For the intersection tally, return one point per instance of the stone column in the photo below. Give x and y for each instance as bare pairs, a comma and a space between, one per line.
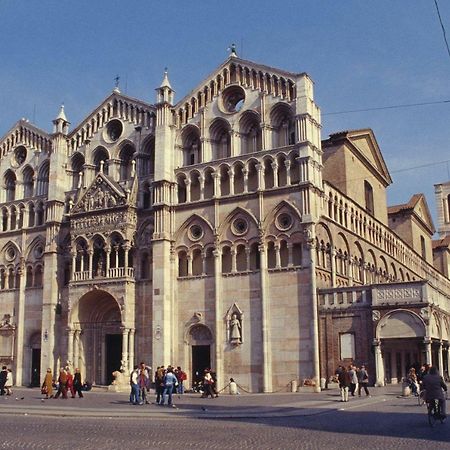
231, 176
379, 366
216, 179
441, 359
290, 248
131, 350
219, 337
275, 174
277, 256
245, 175
261, 184
125, 332
73, 253
333, 266
126, 247
287, 164
108, 259
20, 313
265, 322
394, 378
70, 335
201, 180
189, 264
76, 349
428, 355
233, 260
91, 260
188, 190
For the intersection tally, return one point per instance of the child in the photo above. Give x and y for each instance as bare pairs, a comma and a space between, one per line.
9, 383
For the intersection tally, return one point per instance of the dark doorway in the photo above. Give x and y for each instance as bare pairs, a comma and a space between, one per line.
201, 360
113, 355
35, 367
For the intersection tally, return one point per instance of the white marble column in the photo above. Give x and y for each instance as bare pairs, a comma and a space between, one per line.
441, 359
379, 366
70, 335
76, 349
131, 350
125, 332
219, 337
428, 355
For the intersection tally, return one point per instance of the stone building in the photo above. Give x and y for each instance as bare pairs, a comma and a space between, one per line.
218, 231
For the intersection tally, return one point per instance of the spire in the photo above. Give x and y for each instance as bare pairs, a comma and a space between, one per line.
116, 84
232, 50
165, 82
61, 124
165, 93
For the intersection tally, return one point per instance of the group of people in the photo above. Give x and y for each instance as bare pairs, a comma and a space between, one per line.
6, 381
167, 381
351, 378
66, 383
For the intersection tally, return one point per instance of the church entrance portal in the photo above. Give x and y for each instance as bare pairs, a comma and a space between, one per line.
35, 367
201, 340
113, 355
97, 337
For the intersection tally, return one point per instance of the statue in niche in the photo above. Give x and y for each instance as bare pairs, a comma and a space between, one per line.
235, 330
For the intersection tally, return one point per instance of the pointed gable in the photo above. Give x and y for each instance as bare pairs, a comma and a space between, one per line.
103, 193
417, 207
24, 133
363, 144
118, 106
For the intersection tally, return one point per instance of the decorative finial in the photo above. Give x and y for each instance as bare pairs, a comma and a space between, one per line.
165, 81
232, 50
116, 84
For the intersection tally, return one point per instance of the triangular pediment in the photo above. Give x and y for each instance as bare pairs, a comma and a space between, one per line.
241, 68
102, 194
366, 148
26, 134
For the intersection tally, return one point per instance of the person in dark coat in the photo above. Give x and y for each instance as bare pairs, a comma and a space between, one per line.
434, 388
344, 383
77, 383
3, 377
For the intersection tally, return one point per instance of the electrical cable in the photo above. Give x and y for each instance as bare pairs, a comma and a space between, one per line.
442, 26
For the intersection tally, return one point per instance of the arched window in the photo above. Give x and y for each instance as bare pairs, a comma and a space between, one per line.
250, 132
181, 183
271, 256
146, 158
28, 182
220, 139
283, 129
42, 179
368, 197
241, 258
182, 264
38, 276
226, 260
29, 277
254, 257
100, 154
77, 169
10, 185
126, 158
423, 248
191, 146
197, 262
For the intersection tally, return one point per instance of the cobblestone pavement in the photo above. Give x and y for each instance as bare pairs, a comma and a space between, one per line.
297, 421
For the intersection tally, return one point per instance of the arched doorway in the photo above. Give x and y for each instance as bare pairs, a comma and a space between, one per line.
97, 337
401, 334
200, 340
35, 347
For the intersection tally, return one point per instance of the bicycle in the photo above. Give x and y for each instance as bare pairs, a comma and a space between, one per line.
434, 412
421, 397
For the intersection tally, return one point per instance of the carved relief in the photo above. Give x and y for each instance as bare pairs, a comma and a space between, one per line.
399, 293
376, 315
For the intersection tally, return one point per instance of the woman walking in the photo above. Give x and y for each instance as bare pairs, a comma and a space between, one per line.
47, 385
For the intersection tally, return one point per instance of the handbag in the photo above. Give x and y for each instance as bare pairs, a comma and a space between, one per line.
44, 389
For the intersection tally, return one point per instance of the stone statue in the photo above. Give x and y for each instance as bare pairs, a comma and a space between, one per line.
235, 330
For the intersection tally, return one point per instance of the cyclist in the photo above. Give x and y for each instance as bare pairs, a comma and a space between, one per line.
434, 388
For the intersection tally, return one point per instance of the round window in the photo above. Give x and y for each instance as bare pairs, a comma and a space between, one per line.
233, 99
114, 130
240, 226
10, 253
284, 221
38, 251
20, 155
195, 232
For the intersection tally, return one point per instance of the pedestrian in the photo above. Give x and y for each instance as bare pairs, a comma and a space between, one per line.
363, 381
9, 382
344, 383
214, 384
411, 379
62, 384
143, 380
159, 383
134, 384
70, 383
353, 379
207, 384
3, 376
233, 387
435, 386
77, 383
170, 381
181, 377
47, 385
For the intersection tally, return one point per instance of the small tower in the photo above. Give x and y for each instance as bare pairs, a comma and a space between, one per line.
61, 124
165, 93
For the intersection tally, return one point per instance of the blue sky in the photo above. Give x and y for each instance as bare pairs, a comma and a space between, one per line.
360, 54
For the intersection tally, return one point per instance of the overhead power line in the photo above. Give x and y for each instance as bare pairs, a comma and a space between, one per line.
409, 105
442, 26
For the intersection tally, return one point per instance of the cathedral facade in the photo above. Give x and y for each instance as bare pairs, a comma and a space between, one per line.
219, 231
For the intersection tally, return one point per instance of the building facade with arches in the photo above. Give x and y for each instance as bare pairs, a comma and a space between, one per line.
219, 231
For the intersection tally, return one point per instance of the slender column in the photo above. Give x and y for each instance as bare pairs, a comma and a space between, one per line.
219, 338
81, 253
203, 263
74, 262
108, 259
394, 377
231, 176
125, 332
247, 258
116, 254
188, 190
131, 350
287, 164
290, 248
216, 180
202, 187
379, 367
233, 260
428, 355
76, 349
189, 261
275, 173
441, 359
126, 247
333, 266
91, 260
245, 174
265, 322
70, 334
20, 330
277, 256
261, 184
